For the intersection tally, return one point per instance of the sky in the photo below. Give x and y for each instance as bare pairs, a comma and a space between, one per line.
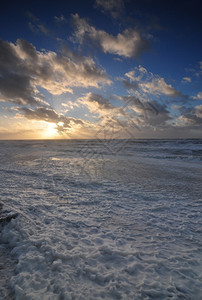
100, 69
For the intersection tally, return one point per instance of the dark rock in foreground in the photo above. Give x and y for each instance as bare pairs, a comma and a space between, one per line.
6, 216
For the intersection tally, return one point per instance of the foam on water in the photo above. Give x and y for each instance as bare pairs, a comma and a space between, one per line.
102, 226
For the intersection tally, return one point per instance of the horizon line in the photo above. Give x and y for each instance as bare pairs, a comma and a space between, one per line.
100, 139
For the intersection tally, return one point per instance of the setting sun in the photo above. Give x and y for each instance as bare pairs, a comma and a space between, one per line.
49, 131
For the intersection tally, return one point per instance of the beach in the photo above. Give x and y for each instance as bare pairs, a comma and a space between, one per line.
98, 219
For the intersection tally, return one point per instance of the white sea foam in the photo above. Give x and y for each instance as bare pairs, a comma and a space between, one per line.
101, 226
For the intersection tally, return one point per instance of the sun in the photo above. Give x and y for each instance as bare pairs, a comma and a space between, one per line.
49, 130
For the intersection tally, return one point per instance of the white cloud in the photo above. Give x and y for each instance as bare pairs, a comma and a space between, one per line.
129, 43
198, 111
186, 79
97, 104
159, 86
137, 74
70, 104
198, 96
134, 111
149, 83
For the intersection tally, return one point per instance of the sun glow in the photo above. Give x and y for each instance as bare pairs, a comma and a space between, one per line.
60, 123
49, 130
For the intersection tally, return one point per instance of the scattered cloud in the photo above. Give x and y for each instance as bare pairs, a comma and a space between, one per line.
195, 70
97, 104
70, 104
191, 116
35, 24
149, 83
50, 115
129, 43
159, 86
43, 29
25, 72
186, 79
32, 17
198, 96
23, 69
148, 113
60, 19
198, 112
133, 111
130, 86
114, 7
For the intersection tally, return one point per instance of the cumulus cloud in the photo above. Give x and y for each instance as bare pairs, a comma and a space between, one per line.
159, 86
191, 117
114, 121
129, 43
149, 113
99, 105
114, 7
23, 69
133, 111
149, 83
50, 115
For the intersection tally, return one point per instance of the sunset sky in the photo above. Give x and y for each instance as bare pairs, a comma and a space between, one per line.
101, 68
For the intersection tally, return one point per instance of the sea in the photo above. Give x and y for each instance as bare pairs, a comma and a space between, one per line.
101, 219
